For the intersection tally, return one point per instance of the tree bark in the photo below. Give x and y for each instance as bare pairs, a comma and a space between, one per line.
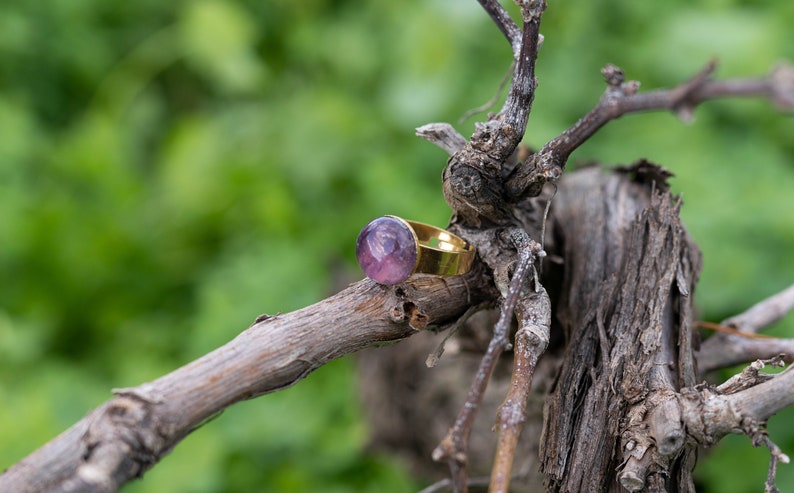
625, 308
621, 270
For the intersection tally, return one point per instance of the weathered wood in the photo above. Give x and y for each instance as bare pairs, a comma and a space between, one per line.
443, 135
124, 437
531, 341
623, 398
627, 262
619, 265
619, 317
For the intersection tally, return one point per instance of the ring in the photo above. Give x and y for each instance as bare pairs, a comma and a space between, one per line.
389, 249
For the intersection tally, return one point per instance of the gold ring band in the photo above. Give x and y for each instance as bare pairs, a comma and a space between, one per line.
389, 249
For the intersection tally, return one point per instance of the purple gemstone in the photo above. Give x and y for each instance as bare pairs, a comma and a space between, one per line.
386, 250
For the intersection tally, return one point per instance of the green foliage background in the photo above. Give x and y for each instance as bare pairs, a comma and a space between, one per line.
170, 170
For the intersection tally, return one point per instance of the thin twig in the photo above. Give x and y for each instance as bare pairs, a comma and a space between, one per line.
454, 447
751, 375
776, 455
759, 437
522, 91
531, 341
451, 330
729, 330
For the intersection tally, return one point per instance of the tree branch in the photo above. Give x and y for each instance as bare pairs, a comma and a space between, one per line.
453, 447
741, 405
710, 414
531, 340
722, 350
124, 437
474, 176
443, 135
621, 98
764, 313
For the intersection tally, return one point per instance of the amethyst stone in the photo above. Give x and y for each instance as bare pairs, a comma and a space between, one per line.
386, 250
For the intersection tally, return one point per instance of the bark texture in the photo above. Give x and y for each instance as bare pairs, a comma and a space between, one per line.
625, 310
620, 271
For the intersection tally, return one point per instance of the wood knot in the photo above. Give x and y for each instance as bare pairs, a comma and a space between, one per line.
416, 318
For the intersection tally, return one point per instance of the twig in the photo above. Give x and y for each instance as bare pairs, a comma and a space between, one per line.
531, 340
474, 177
443, 135
775, 455
750, 376
525, 44
702, 324
758, 436
723, 350
454, 446
451, 329
522, 91
621, 98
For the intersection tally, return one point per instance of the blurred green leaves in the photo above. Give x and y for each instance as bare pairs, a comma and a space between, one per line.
169, 171
219, 39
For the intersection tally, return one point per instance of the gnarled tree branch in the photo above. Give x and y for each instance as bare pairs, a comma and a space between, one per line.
121, 439
621, 98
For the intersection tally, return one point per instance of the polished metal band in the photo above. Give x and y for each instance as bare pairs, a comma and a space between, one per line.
439, 251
